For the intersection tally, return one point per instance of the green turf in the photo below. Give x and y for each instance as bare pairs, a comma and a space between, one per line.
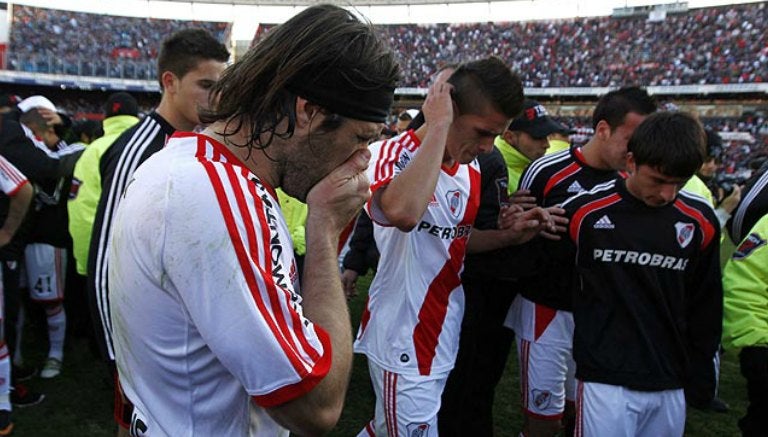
79, 401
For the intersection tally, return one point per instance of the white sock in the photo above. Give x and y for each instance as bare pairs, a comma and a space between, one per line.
57, 325
5, 378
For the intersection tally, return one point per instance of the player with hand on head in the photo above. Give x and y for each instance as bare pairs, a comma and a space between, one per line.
426, 192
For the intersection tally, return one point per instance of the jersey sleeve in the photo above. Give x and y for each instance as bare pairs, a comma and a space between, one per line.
229, 254
11, 179
388, 159
745, 281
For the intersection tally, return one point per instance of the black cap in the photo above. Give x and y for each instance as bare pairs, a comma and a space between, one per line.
536, 122
121, 103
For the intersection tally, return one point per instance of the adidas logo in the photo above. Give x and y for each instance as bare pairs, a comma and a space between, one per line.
604, 223
575, 187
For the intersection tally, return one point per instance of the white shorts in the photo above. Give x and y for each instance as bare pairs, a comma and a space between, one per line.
45, 266
544, 339
547, 379
406, 405
613, 410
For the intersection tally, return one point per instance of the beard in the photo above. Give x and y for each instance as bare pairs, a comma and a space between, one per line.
305, 165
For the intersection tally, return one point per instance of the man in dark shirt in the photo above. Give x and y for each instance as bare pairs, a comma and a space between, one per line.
648, 305
541, 314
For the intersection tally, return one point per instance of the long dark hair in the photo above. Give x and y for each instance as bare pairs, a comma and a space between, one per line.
325, 46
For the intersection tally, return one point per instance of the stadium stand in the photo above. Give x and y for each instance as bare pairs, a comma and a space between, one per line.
106, 45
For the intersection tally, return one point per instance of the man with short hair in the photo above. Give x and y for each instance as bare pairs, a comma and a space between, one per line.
189, 64
648, 300
541, 315
426, 193
45, 254
213, 333
489, 281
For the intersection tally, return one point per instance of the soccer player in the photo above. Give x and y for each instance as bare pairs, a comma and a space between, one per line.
189, 64
426, 192
541, 315
489, 281
16, 186
647, 306
213, 333
46, 254
745, 324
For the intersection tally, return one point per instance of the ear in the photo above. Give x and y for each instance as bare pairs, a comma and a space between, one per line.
603, 130
631, 164
305, 112
509, 137
168, 80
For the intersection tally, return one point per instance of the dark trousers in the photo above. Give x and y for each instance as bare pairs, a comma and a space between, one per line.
754, 367
11, 302
467, 401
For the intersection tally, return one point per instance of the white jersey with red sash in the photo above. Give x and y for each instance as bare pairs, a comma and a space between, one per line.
412, 319
208, 324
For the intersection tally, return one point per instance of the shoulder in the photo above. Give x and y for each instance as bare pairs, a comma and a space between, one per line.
543, 168
600, 192
694, 203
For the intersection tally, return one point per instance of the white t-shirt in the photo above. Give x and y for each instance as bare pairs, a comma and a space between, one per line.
412, 320
11, 179
208, 324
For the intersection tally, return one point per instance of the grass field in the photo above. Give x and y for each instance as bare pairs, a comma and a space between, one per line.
78, 402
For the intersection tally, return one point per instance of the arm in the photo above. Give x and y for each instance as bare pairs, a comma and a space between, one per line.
404, 200
332, 204
745, 283
17, 211
704, 318
356, 259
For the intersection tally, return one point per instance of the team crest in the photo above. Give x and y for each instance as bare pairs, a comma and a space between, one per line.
417, 429
684, 233
541, 398
454, 202
752, 242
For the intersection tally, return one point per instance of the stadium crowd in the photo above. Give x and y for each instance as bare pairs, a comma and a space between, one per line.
197, 220
718, 45
41, 40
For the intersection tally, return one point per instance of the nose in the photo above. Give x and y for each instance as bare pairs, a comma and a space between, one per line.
669, 192
486, 146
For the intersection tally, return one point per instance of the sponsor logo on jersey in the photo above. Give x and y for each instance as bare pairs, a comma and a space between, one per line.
74, 188
749, 245
403, 161
604, 223
684, 233
445, 232
455, 202
575, 187
280, 273
541, 398
417, 429
433, 201
640, 258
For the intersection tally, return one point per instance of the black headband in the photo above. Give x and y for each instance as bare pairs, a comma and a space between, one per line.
342, 98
